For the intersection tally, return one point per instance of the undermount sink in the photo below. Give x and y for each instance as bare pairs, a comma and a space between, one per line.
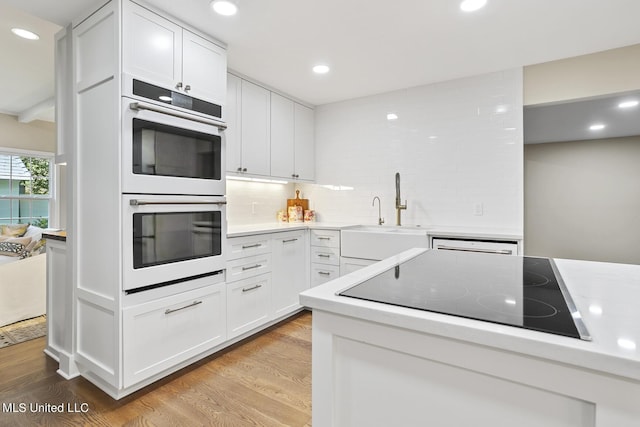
377, 242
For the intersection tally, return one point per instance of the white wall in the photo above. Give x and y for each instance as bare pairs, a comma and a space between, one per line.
34, 136
582, 200
601, 73
476, 157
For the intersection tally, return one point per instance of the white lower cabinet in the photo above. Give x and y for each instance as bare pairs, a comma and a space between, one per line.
325, 256
349, 265
264, 286
322, 273
162, 333
290, 271
248, 304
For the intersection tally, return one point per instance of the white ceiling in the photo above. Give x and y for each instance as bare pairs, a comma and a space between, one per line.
570, 121
372, 46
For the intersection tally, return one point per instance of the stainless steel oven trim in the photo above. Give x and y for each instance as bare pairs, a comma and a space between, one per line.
144, 106
575, 314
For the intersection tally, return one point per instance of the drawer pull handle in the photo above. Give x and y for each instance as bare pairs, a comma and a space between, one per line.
173, 310
251, 288
252, 267
324, 255
289, 240
257, 245
324, 238
324, 273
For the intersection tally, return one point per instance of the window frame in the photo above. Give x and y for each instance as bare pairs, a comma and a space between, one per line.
51, 197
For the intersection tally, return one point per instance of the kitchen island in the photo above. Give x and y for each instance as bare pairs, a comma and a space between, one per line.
376, 364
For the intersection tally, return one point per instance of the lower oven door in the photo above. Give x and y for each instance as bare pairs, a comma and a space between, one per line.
171, 238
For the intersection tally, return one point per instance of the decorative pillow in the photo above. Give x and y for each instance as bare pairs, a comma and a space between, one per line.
13, 230
14, 246
35, 247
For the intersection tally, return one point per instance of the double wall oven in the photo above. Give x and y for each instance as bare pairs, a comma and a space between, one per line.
173, 201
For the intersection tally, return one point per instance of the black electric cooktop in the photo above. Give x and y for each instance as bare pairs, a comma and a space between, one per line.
526, 292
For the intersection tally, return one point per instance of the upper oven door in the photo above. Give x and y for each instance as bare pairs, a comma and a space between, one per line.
166, 151
171, 238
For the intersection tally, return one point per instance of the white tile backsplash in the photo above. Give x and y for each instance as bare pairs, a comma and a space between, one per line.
256, 202
455, 144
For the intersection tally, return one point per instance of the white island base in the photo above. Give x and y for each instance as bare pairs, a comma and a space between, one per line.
370, 368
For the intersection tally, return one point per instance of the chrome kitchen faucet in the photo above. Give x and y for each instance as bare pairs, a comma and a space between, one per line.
399, 205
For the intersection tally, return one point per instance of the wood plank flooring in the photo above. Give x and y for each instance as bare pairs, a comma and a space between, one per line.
262, 381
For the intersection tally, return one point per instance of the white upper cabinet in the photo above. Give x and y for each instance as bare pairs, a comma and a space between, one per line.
304, 135
162, 53
282, 137
268, 134
255, 129
232, 115
204, 68
292, 140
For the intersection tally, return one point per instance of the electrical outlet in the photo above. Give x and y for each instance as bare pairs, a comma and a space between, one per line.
253, 208
478, 209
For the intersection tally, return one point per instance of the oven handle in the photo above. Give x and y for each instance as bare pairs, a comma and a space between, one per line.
137, 202
143, 106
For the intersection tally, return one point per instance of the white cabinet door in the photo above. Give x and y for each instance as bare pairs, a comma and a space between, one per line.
204, 68
289, 271
162, 333
304, 143
248, 304
282, 137
152, 47
256, 129
232, 114
349, 265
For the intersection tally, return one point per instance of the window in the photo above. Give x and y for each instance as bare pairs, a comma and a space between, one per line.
25, 188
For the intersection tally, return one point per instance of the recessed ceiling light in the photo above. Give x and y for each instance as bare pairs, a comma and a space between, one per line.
628, 104
597, 126
472, 5
224, 7
392, 116
501, 109
25, 34
321, 69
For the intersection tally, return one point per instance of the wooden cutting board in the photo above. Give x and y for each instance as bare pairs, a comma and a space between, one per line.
298, 202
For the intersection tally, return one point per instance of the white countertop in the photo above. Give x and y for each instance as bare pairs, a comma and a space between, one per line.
604, 293
274, 227
441, 231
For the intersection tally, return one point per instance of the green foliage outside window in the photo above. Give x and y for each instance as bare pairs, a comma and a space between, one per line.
39, 169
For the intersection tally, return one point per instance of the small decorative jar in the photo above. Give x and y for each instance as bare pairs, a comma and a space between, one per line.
309, 216
282, 216
296, 214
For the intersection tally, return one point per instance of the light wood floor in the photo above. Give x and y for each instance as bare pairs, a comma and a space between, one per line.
263, 381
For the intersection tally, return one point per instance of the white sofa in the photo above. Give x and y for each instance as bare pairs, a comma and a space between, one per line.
23, 284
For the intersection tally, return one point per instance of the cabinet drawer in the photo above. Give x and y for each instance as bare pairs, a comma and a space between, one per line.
248, 304
326, 238
160, 334
329, 256
239, 247
321, 273
243, 268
